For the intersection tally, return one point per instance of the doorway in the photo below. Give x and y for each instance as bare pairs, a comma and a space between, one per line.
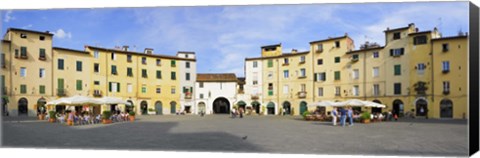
221, 106
22, 107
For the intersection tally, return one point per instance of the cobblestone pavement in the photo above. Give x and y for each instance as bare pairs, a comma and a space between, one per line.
252, 134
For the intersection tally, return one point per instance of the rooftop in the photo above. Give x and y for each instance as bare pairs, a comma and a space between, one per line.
279, 56
31, 31
271, 46
139, 53
330, 38
72, 50
217, 77
450, 37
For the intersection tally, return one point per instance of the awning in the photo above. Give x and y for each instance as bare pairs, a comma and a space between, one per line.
270, 105
241, 103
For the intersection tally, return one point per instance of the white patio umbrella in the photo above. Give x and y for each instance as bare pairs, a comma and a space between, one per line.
353, 102
373, 104
327, 103
113, 100
74, 100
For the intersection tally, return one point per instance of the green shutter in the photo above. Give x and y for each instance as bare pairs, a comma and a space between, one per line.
118, 87
23, 51
172, 63
337, 75
397, 70
42, 89
79, 85
270, 63
23, 89
110, 86
191, 89
60, 83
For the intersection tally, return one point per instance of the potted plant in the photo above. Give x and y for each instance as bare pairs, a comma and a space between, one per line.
307, 115
41, 115
53, 117
106, 117
131, 116
151, 111
365, 117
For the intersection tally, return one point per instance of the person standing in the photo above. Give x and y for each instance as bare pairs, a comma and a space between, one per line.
334, 116
343, 115
350, 116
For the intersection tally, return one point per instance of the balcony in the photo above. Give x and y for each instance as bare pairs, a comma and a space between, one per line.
319, 51
445, 71
354, 59
61, 92
43, 58
254, 97
97, 93
129, 60
302, 94
446, 92
188, 95
302, 62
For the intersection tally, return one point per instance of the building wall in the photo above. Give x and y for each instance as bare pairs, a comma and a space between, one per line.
215, 90
187, 100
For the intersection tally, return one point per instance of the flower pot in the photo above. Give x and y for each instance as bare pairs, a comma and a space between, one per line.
41, 117
366, 121
132, 118
106, 121
70, 122
52, 120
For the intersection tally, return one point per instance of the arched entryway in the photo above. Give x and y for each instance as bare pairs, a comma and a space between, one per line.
4, 105
158, 108
271, 108
446, 108
397, 107
421, 107
173, 107
201, 107
256, 106
287, 107
22, 106
303, 107
241, 104
41, 109
127, 108
221, 106
374, 109
144, 107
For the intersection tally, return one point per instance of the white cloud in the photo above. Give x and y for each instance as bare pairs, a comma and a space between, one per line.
27, 26
8, 16
61, 34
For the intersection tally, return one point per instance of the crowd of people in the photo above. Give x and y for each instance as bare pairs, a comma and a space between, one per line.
240, 112
85, 117
349, 114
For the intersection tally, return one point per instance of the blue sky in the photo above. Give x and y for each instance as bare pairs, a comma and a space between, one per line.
222, 36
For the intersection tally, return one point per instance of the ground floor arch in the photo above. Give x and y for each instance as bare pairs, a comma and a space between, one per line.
22, 107
202, 107
256, 106
41, 109
129, 108
144, 107
271, 108
158, 108
287, 108
221, 105
173, 107
241, 104
397, 107
421, 106
446, 108
303, 107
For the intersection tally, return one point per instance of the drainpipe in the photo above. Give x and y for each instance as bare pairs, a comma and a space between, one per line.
278, 89
365, 76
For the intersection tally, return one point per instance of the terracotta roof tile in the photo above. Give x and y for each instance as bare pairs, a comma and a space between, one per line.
222, 77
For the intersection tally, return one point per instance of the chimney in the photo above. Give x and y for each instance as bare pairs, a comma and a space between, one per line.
388, 28
294, 51
125, 48
148, 51
416, 29
47, 32
346, 34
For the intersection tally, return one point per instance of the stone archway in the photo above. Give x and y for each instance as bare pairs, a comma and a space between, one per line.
41, 109
201, 107
287, 107
271, 108
397, 107
173, 107
22, 106
421, 107
446, 108
144, 107
256, 106
303, 107
221, 105
127, 108
158, 108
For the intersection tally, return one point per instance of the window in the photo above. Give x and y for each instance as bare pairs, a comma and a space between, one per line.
96, 67
41, 38
23, 89
23, 52
79, 85
172, 63
129, 58
355, 74
285, 89
42, 72
129, 72
420, 40
337, 44
41, 89
129, 87
319, 47
303, 73
270, 63
270, 89
255, 83
270, 75
337, 59
144, 89
337, 75
3, 60
60, 64
303, 87
255, 64
397, 52
114, 69
337, 91
159, 74
23, 72
173, 75
22, 35
446, 87
285, 61
114, 56
376, 89
445, 47
355, 57
144, 60
173, 90
158, 90
187, 76
79, 66
320, 91
159, 62
320, 62
96, 54
302, 59
187, 64
397, 70
144, 73
356, 91
376, 71
320, 76
96, 82
285, 74
396, 35
42, 54
201, 96
445, 66
397, 88
375, 55
113, 87
420, 68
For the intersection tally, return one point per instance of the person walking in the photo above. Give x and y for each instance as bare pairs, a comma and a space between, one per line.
334, 116
343, 115
350, 116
